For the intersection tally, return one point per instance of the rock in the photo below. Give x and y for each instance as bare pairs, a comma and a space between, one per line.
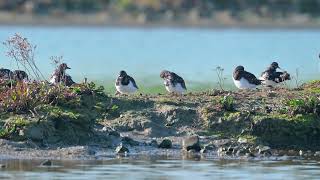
253, 150
222, 151
165, 144
2, 166
250, 155
21, 132
129, 141
153, 143
207, 148
46, 163
232, 150
301, 153
122, 149
221, 142
242, 152
317, 154
263, 149
293, 153
191, 142
308, 153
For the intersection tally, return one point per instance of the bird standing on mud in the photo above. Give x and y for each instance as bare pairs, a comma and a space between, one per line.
173, 82
125, 84
245, 80
271, 77
60, 76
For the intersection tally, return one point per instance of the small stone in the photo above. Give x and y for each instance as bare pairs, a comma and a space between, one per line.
250, 155
165, 144
21, 132
232, 150
191, 142
46, 163
294, 153
301, 153
207, 148
220, 150
308, 153
263, 149
154, 143
242, 152
122, 149
317, 154
221, 142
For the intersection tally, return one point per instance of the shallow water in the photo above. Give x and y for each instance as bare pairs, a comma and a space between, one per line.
162, 168
99, 53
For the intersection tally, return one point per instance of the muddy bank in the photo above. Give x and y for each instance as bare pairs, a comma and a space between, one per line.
251, 124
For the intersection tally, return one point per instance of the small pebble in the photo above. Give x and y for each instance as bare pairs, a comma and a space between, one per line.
46, 163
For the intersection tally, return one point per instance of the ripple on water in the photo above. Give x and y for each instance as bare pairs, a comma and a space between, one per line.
163, 168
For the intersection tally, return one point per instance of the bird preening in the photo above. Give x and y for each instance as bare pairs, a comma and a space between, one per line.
173, 82
270, 77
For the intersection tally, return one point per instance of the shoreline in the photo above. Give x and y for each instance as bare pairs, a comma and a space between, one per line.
94, 22
243, 124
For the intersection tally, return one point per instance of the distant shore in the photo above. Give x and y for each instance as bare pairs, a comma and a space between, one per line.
95, 20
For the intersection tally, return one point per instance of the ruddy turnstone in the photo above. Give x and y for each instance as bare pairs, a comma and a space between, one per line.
125, 84
6, 74
20, 75
173, 82
245, 80
271, 77
60, 76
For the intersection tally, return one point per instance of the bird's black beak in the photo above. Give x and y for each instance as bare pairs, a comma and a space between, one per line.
68, 67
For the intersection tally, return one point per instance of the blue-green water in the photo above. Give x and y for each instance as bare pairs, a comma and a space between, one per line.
99, 53
162, 168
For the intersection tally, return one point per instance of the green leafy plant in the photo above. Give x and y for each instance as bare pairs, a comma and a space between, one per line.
309, 105
227, 102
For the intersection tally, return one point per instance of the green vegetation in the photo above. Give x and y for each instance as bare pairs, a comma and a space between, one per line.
227, 103
157, 10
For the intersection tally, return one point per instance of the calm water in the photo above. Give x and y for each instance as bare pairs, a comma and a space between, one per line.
99, 53
162, 168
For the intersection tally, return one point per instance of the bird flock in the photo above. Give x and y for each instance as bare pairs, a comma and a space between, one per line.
173, 83
242, 79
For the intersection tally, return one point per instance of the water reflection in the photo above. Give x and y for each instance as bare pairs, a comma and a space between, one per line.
162, 168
